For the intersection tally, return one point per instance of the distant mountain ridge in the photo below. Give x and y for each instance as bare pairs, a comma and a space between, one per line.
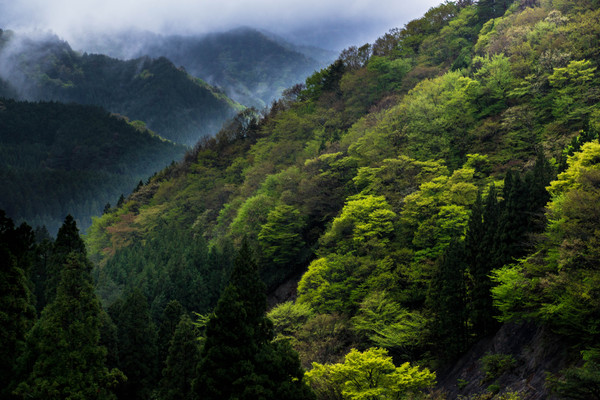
176, 105
58, 159
252, 66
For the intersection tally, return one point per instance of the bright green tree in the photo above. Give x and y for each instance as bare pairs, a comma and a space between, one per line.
369, 375
281, 237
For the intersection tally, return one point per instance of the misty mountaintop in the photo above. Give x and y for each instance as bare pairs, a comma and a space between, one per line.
171, 102
253, 67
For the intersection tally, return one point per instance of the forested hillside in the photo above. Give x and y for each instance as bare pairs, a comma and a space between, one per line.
176, 105
58, 159
419, 195
252, 67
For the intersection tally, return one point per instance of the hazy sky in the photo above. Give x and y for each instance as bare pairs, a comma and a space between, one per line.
330, 23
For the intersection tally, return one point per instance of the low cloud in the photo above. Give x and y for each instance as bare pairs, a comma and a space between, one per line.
331, 23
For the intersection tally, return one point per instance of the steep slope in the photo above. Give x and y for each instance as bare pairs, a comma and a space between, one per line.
398, 180
174, 104
58, 159
252, 67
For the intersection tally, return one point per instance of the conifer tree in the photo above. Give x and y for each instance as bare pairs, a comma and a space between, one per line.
63, 347
479, 245
17, 313
137, 346
447, 299
183, 357
67, 241
238, 359
170, 320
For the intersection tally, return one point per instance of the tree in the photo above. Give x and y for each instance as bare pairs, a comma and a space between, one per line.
281, 237
479, 245
447, 299
238, 359
67, 241
17, 313
137, 345
369, 375
63, 347
170, 320
183, 357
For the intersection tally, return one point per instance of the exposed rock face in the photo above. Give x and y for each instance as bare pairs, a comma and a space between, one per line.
535, 352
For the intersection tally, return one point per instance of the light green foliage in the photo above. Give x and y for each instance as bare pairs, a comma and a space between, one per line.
397, 177
558, 285
389, 325
281, 236
389, 72
289, 317
572, 86
251, 216
435, 116
496, 78
365, 224
369, 375
439, 211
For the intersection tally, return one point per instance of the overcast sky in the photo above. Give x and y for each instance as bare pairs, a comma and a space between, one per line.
330, 23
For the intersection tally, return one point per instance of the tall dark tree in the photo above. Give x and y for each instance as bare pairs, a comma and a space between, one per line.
169, 322
479, 242
67, 241
488, 9
238, 359
63, 347
447, 299
17, 313
137, 346
183, 357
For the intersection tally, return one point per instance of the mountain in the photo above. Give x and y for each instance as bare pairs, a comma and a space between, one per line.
176, 105
58, 159
421, 195
252, 67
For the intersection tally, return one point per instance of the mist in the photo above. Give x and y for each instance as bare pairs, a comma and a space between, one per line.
331, 24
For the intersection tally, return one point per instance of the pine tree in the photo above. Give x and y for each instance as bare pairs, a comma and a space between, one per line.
17, 313
479, 245
170, 320
63, 347
447, 299
183, 357
238, 359
137, 346
67, 241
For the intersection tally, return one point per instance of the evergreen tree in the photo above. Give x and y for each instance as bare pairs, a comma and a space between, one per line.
66, 358
447, 299
137, 346
183, 357
67, 241
17, 313
169, 322
479, 242
238, 359
511, 239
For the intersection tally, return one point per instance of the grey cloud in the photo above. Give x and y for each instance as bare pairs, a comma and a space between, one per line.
336, 23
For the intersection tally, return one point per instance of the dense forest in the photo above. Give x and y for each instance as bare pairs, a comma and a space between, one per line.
402, 207
171, 102
58, 159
